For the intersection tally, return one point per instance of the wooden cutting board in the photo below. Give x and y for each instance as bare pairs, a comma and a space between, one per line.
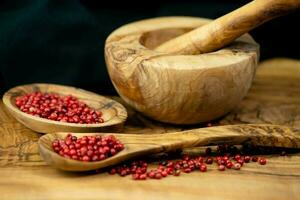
274, 98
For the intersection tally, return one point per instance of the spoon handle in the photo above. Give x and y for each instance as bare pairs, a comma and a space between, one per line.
260, 135
227, 28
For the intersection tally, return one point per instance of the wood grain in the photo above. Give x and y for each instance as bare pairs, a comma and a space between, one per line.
113, 113
138, 146
225, 29
274, 98
179, 89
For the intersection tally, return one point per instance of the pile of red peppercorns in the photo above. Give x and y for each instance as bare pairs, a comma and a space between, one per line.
87, 148
59, 108
224, 159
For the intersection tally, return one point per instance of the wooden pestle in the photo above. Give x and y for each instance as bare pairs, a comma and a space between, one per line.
224, 30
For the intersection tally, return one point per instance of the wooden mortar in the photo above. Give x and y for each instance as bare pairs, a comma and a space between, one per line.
160, 77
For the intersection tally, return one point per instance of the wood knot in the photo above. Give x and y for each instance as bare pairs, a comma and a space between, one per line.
121, 55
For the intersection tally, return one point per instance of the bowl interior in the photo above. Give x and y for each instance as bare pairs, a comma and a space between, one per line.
152, 39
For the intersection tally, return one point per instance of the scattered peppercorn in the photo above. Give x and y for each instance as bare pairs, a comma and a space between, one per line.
254, 159
229, 165
247, 159
58, 108
237, 166
209, 160
262, 161
187, 164
203, 168
221, 168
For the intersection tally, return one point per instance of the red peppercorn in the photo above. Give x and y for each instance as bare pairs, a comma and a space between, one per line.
85, 158
83, 150
138, 171
237, 166
209, 160
218, 158
200, 159
203, 168
123, 172
90, 153
221, 167
66, 151
158, 175
237, 157
225, 158
241, 161
55, 143
95, 158
74, 157
187, 170
192, 167
254, 159
186, 157
177, 166
151, 174
170, 164
112, 171
135, 176
229, 165
221, 162
247, 159
164, 173
262, 161
143, 169
170, 170
56, 149
142, 176
102, 157
72, 152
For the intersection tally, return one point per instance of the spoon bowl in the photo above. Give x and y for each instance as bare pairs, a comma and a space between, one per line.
114, 114
137, 145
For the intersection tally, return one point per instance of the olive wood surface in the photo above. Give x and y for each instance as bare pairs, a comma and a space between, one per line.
274, 98
113, 113
225, 29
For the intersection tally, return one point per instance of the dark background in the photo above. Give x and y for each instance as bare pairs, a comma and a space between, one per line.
62, 41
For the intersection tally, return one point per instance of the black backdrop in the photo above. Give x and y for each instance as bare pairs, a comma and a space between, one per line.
61, 41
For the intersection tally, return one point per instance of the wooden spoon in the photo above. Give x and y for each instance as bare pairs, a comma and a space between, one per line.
227, 28
114, 114
140, 145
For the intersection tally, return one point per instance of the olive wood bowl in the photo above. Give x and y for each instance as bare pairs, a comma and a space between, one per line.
179, 89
